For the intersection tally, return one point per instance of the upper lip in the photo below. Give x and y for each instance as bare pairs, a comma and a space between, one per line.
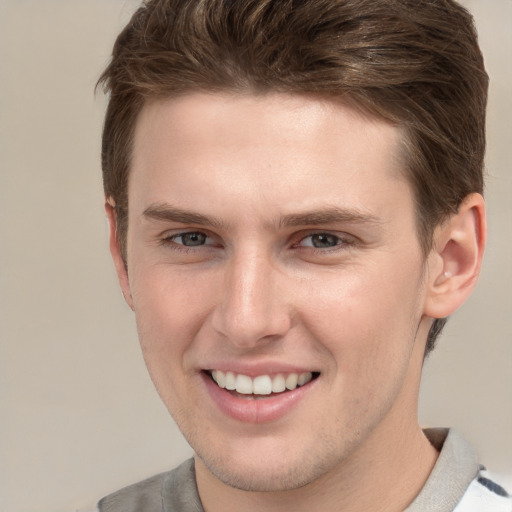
259, 368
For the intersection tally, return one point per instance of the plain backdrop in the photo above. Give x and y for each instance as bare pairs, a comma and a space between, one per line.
79, 416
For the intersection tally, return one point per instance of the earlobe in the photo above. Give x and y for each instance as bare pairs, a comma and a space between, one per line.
115, 251
455, 261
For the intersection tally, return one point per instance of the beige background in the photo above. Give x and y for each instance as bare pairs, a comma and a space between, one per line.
79, 416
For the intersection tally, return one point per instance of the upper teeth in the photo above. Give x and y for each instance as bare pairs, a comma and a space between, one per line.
261, 385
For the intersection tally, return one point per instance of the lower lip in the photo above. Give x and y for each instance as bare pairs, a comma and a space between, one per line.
256, 410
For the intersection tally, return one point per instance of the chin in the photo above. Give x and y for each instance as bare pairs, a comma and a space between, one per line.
268, 474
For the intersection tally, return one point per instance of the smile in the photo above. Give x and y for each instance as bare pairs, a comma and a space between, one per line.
262, 398
261, 384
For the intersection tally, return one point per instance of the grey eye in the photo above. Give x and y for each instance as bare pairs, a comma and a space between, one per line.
191, 239
324, 240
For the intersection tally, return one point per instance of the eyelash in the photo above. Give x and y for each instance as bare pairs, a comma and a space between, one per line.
342, 241
170, 241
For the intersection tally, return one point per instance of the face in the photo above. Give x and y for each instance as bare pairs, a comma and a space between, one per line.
277, 281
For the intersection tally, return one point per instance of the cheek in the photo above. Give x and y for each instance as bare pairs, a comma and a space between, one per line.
366, 321
169, 308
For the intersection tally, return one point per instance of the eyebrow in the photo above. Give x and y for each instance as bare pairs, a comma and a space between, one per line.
168, 213
329, 215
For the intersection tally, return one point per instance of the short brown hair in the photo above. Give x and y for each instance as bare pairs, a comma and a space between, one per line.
415, 63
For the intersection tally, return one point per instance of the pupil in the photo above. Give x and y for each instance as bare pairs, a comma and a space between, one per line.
324, 240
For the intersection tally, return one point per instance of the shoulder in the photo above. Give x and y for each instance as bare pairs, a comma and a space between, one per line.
142, 496
172, 490
457, 482
484, 493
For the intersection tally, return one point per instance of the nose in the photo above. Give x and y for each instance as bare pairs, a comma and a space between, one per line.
253, 308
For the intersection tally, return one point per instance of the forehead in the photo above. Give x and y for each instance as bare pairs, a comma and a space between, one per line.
238, 119
268, 146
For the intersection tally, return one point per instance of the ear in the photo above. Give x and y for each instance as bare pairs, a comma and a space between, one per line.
115, 251
454, 263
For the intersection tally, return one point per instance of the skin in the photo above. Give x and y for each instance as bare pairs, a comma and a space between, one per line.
259, 181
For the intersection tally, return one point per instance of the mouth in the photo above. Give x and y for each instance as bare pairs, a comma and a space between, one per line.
261, 386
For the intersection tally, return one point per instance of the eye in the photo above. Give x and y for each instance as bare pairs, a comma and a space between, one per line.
189, 239
321, 241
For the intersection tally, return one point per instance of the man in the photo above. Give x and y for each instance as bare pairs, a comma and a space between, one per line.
294, 190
